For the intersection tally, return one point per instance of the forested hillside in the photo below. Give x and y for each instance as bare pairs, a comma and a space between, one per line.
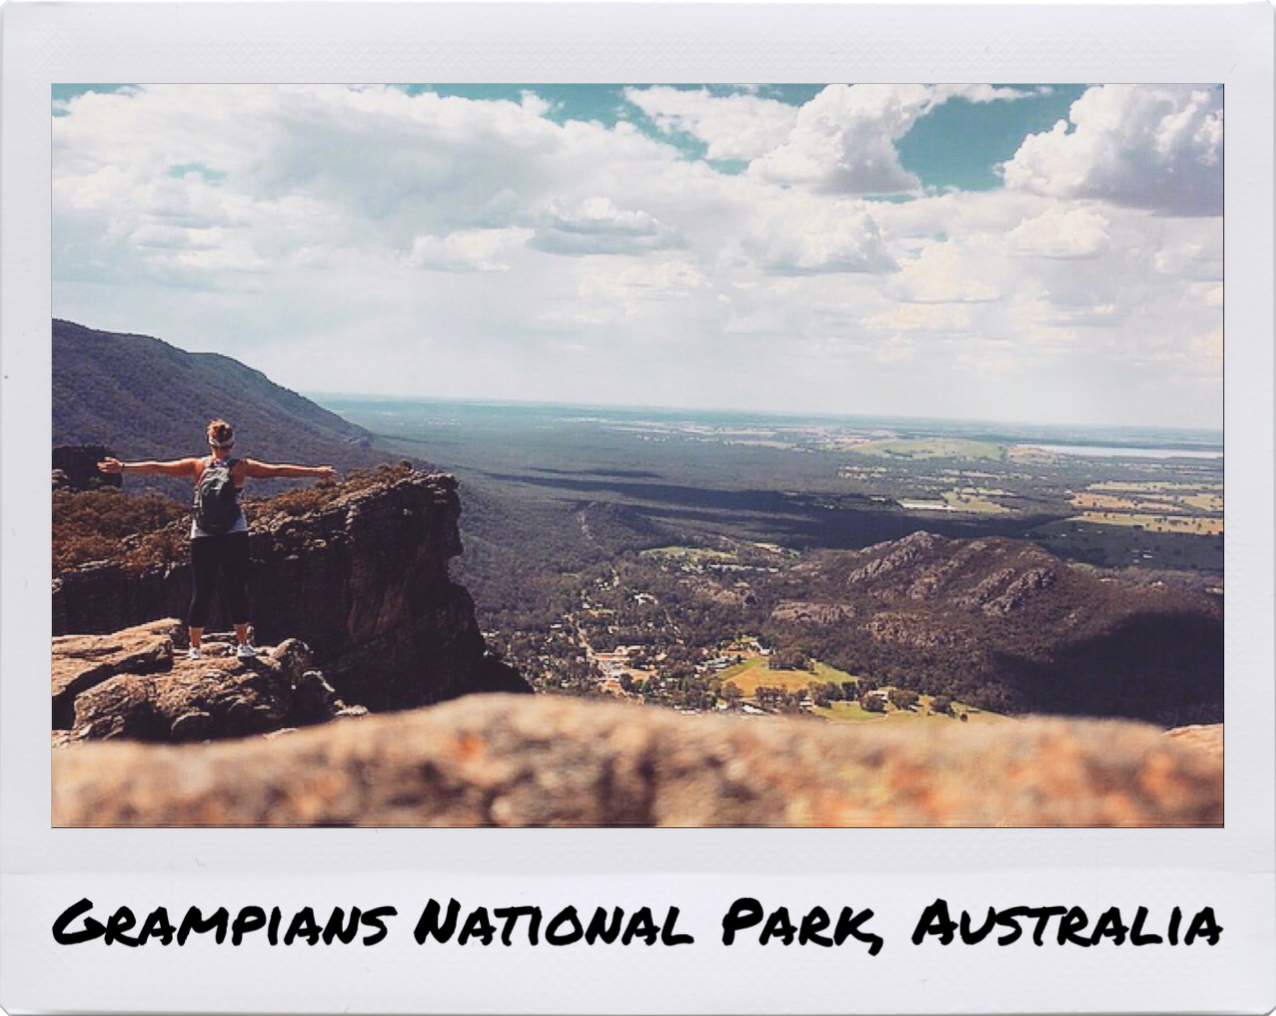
143, 398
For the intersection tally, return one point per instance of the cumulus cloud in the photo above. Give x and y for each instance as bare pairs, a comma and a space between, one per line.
597, 226
1157, 147
1062, 233
952, 271
844, 139
741, 126
797, 238
287, 225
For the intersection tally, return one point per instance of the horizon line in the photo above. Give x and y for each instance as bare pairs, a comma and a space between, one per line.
316, 394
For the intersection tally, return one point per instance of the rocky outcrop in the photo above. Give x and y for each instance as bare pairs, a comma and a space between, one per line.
81, 662
138, 684
500, 761
359, 574
803, 612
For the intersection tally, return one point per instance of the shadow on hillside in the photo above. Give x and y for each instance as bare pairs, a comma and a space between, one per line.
1162, 668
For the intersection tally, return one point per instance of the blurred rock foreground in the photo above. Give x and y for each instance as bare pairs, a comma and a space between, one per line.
506, 760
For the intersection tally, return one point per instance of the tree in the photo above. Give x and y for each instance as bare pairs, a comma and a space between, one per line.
902, 698
871, 703
941, 705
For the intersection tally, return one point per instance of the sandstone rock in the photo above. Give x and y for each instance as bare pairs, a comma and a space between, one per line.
1207, 737
499, 760
82, 661
133, 685
361, 578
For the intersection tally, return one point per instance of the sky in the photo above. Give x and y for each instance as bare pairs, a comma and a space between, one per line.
1032, 253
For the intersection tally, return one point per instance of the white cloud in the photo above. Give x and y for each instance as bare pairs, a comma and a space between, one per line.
1211, 344
1190, 259
1157, 147
1062, 233
798, 238
472, 250
843, 141
987, 93
597, 226
629, 282
952, 271
732, 126
943, 318
287, 225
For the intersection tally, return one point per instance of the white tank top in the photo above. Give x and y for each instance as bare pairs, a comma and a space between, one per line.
240, 526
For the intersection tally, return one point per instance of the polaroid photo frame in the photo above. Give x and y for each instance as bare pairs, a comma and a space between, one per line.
697, 884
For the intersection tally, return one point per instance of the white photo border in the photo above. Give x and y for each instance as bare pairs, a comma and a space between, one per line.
44, 870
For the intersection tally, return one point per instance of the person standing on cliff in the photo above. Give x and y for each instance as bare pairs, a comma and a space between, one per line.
219, 528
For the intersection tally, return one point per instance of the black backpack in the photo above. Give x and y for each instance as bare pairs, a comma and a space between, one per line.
216, 506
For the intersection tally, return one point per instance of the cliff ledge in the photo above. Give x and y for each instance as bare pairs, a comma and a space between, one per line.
357, 571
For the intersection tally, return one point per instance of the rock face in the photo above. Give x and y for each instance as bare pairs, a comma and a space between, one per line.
501, 761
135, 684
359, 575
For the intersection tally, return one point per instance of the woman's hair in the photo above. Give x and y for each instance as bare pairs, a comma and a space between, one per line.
220, 433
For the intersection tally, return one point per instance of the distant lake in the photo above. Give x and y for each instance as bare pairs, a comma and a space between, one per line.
1116, 451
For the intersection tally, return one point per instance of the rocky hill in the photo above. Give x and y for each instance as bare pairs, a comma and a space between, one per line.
499, 761
1005, 623
146, 399
357, 571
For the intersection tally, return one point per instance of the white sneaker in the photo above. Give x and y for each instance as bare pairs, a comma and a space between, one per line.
246, 652
194, 654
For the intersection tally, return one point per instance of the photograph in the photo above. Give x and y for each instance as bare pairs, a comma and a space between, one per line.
621, 455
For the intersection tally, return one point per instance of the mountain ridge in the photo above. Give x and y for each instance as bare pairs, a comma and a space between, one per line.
1032, 631
143, 397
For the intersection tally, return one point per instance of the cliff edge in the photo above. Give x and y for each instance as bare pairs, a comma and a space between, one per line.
357, 571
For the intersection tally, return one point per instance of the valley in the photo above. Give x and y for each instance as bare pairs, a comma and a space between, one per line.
699, 561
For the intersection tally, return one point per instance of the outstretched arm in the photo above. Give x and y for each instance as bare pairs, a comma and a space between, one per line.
176, 467
269, 470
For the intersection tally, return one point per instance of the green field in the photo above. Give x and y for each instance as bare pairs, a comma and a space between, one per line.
752, 674
976, 499
853, 712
